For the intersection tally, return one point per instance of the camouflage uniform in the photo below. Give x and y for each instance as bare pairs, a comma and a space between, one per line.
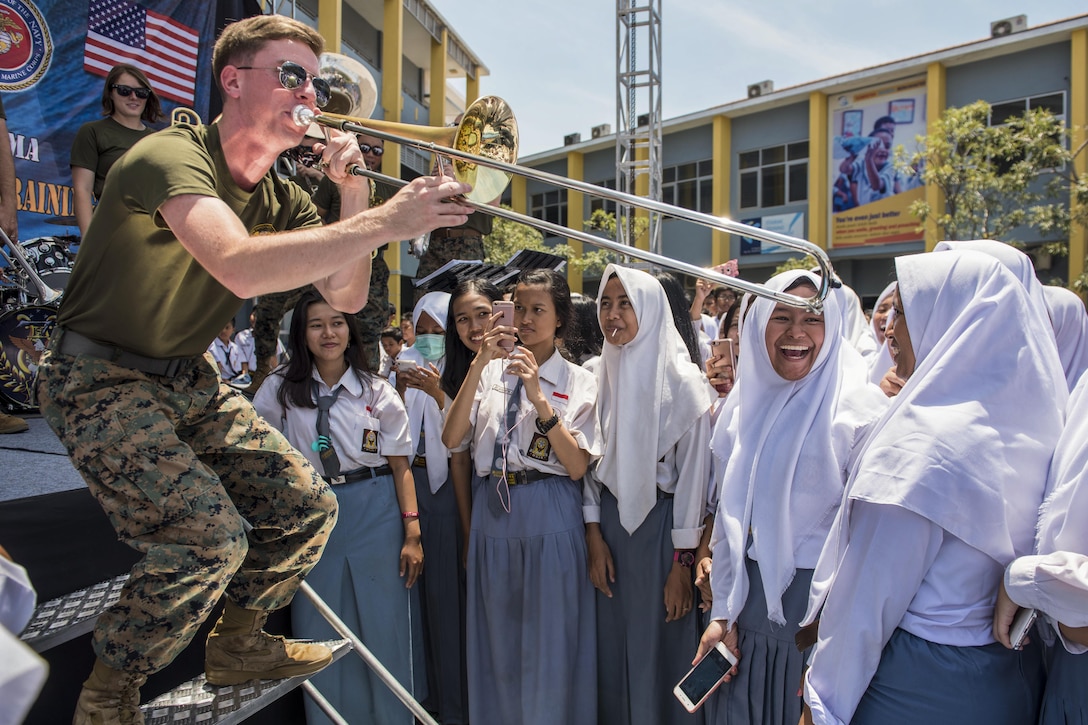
374, 317
176, 463
267, 315
463, 242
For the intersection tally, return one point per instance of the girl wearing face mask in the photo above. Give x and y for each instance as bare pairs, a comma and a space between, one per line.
530, 415
645, 507
441, 587
354, 428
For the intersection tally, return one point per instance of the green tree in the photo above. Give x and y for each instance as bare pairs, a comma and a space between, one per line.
994, 179
805, 262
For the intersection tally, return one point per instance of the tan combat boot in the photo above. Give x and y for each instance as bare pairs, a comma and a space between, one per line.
12, 424
110, 697
239, 650
257, 377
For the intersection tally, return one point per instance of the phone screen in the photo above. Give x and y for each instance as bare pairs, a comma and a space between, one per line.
705, 675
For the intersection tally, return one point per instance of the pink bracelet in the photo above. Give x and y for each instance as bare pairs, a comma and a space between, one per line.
410, 515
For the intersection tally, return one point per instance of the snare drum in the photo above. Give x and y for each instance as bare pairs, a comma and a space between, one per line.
24, 334
51, 258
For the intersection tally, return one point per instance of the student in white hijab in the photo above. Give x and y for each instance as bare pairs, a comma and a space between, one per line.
943, 495
644, 510
1070, 321
881, 362
784, 441
441, 586
855, 328
1054, 581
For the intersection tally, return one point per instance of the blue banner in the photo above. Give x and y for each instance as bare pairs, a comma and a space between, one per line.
50, 87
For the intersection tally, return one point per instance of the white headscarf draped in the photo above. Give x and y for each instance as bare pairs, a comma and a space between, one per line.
422, 409
880, 363
968, 441
855, 328
649, 396
1022, 268
1062, 521
784, 447
1070, 321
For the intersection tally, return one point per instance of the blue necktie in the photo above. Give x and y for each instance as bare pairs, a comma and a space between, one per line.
498, 494
323, 445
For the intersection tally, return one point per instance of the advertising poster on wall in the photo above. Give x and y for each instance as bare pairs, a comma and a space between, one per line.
869, 197
792, 225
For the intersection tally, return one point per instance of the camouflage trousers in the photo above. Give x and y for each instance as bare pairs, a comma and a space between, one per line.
374, 317
441, 250
267, 315
176, 464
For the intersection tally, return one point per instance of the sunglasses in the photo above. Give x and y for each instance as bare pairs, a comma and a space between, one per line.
293, 76
368, 149
126, 91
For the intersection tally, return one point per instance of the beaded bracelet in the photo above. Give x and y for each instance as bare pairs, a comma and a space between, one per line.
410, 515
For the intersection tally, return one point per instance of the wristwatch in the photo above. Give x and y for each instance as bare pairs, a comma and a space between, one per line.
685, 558
546, 425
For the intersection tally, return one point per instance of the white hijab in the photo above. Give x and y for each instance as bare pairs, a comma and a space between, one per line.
423, 411
880, 363
1022, 268
855, 328
968, 441
1070, 321
1062, 521
649, 396
784, 446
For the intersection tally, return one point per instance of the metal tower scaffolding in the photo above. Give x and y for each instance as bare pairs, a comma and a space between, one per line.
638, 111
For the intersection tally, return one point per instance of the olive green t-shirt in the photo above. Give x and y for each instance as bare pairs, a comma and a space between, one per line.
134, 285
99, 144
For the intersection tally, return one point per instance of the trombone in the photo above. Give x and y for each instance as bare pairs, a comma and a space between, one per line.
484, 152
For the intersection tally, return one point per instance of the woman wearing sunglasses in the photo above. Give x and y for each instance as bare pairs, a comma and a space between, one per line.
128, 104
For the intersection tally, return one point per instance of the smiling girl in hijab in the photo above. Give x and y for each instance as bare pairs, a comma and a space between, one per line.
943, 495
644, 512
783, 439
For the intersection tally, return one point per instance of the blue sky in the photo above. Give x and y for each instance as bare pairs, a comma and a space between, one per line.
711, 50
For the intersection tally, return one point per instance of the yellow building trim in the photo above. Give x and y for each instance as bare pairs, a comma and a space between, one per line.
575, 215
330, 23
392, 105
439, 71
472, 89
519, 195
642, 189
722, 151
819, 155
1078, 122
936, 100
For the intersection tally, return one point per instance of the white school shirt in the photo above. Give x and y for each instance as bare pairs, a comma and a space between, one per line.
1057, 585
572, 393
362, 406
900, 570
245, 348
221, 351
23, 672
684, 471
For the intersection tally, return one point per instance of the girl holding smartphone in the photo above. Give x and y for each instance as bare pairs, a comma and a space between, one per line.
530, 416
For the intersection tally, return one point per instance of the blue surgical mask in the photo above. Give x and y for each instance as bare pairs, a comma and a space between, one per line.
431, 347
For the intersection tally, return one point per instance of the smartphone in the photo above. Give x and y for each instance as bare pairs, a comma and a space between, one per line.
723, 346
507, 320
405, 366
1021, 623
704, 677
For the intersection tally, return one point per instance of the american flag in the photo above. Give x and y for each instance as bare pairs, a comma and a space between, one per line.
164, 49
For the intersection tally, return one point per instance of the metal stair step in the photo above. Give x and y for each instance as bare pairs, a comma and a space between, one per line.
65, 618
197, 703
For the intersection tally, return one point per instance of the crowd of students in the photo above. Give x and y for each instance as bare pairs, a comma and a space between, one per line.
600, 496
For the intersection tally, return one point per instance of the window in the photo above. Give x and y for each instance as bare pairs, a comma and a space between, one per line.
551, 206
774, 176
1000, 113
690, 185
597, 202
